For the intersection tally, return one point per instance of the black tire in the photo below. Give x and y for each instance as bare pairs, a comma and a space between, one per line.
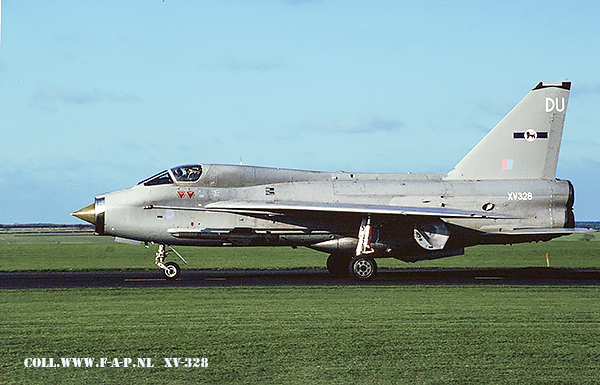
172, 271
337, 264
362, 268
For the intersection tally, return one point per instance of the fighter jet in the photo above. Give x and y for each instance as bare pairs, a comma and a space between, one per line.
502, 192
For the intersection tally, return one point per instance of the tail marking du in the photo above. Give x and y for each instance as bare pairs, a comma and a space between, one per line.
552, 104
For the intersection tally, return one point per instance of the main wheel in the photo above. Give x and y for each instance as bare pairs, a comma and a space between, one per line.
337, 264
362, 268
172, 271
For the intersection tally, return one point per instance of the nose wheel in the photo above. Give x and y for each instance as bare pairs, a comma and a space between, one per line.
170, 270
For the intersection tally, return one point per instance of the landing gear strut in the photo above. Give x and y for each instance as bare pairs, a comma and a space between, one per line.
364, 237
171, 270
362, 267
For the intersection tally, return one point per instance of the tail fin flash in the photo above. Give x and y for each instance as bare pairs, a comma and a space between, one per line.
525, 144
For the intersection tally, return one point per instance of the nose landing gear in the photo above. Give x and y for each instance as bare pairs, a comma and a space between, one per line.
171, 270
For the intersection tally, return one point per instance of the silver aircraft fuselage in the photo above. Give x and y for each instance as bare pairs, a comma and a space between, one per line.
192, 213
503, 191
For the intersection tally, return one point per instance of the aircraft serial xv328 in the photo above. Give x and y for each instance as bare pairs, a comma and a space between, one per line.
504, 191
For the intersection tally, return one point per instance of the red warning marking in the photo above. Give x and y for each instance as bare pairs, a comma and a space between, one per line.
181, 194
190, 193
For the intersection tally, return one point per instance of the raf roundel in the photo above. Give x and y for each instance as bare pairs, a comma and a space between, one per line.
530, 135
169, 214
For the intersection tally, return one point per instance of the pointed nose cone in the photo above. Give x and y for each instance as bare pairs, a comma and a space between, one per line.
88, 214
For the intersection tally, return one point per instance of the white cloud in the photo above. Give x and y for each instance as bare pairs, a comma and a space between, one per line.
585, 87
362, 125
48, 96
252, 62
302, 2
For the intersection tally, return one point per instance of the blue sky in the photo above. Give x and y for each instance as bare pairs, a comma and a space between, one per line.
98, 95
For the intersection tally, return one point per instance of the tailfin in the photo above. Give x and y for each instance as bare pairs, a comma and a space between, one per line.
525, 144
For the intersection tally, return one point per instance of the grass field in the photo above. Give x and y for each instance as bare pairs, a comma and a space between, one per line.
299, 335
94, 253
338, 335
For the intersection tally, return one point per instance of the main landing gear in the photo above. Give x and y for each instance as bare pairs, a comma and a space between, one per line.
171, 270
361, 266
344, 265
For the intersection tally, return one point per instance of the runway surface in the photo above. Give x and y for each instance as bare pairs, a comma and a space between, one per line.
232, 278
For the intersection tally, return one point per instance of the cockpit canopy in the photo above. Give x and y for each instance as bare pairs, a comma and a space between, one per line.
187, 173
